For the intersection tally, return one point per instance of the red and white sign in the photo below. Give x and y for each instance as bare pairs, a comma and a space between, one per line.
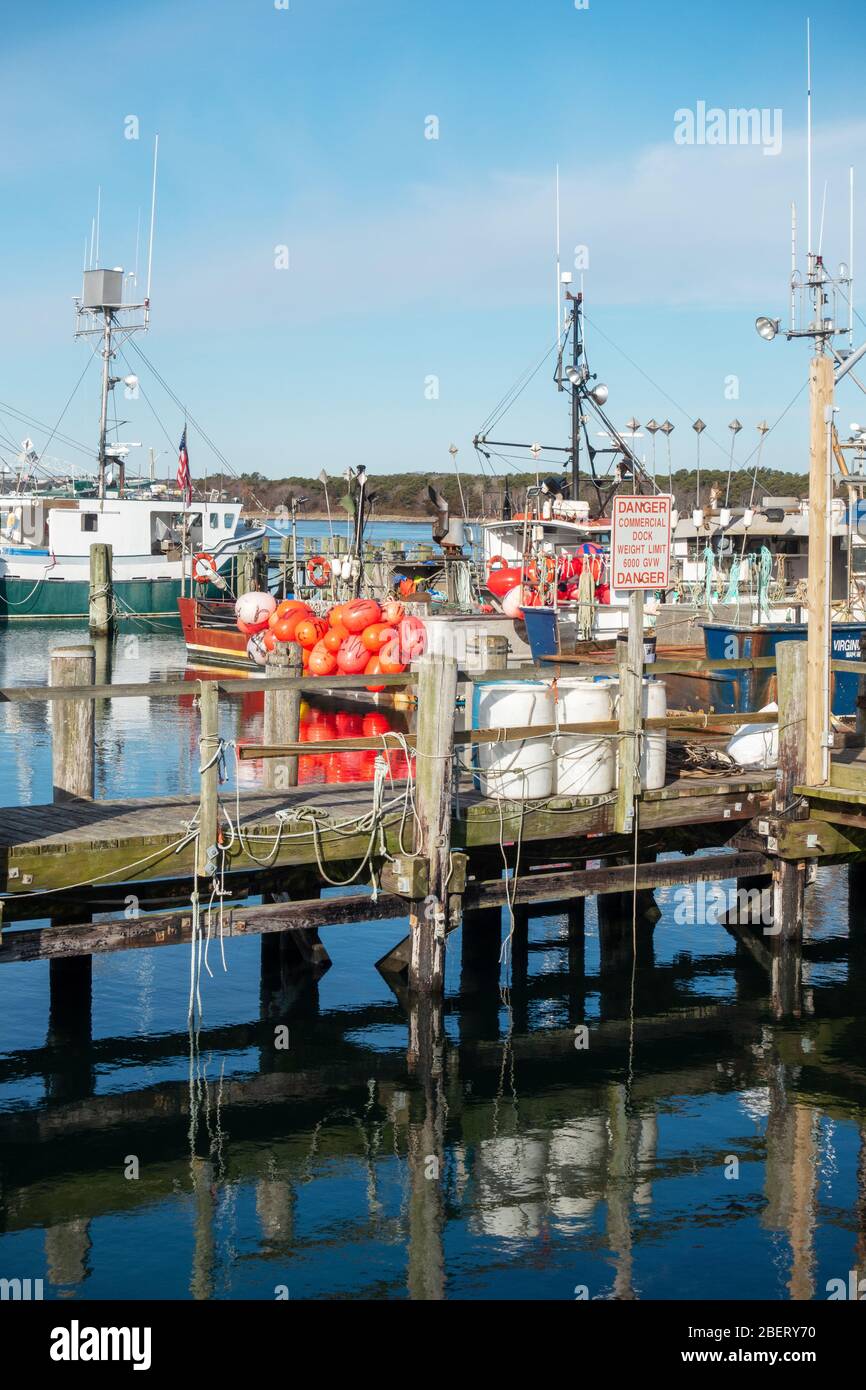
640, 545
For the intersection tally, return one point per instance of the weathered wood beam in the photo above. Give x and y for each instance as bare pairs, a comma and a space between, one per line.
582, 883
174, 928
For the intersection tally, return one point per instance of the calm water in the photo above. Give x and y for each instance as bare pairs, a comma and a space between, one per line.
306, 1169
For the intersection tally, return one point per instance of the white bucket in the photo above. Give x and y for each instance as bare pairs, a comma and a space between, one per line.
654, 745
585, 763
655, 741
516, 771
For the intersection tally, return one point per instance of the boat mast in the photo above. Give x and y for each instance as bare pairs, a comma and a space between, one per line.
108, 319
576, 353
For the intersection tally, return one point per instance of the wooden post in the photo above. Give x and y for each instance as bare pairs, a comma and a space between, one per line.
630, 661
283, 716
101, 600
245, 565
428, 920
208, 743
73, 721
818, 660
789, 876
72, 750
791, 662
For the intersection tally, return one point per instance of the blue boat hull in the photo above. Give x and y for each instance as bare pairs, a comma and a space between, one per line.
740, 692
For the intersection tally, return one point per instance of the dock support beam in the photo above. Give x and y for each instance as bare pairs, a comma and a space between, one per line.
428, 920
101, 597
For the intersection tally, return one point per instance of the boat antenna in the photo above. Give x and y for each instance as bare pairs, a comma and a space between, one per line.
793, 261
152, 218
851, 257
558, 291
808, 139
98, 218
137, 244
821, 225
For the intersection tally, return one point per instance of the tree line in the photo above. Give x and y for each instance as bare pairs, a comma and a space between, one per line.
405, 495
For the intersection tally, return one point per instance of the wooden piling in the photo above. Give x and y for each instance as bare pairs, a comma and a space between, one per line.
208, 743
70, 982
630, 663
101, 596
282, 716
73, 723
245, 572
789, 876
819, 580
428, 920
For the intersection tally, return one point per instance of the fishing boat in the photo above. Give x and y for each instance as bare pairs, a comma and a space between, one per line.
45, 551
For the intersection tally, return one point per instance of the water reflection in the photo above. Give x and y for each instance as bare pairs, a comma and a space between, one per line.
386, 1154
709, 1142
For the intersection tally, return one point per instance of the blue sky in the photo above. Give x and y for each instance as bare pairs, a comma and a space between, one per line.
412, 258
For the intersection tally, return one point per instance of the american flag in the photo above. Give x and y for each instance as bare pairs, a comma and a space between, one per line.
184, 481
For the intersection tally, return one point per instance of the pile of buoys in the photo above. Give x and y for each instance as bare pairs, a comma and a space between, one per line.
356, 638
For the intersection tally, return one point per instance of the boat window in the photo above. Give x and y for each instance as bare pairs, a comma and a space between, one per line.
228, 521
170, 529
89, 521
214, 520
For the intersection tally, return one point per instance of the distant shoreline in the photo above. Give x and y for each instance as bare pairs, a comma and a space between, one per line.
340, 521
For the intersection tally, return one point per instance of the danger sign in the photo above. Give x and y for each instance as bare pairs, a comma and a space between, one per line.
640, 549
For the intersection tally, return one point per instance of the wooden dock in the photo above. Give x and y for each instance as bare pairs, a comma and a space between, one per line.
430, 848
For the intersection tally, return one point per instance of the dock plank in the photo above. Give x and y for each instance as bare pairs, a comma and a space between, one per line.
46, 849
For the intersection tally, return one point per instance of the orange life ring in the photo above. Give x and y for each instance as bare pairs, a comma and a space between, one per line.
497, 562
319, 571
209, 563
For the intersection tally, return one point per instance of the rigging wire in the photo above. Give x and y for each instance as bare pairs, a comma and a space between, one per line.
6, 409
186, 412
518, 387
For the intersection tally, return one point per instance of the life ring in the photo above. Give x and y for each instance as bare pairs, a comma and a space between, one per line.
207, 562
319, 571
497, 562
